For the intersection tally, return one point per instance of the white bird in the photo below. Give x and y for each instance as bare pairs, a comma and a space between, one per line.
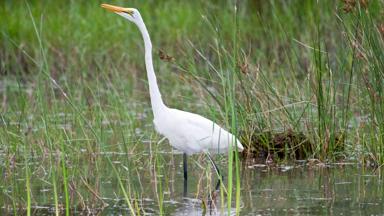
187, 132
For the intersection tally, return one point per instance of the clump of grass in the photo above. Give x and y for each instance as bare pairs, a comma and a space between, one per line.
309, 87
369, 50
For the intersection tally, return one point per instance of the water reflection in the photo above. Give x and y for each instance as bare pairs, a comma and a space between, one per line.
285, 190
156, 185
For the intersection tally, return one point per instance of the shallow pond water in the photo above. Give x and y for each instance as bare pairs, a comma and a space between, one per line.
299, 189
336, 189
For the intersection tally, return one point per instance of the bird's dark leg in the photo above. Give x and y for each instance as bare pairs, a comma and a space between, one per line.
213, 195
185, 166
221, 177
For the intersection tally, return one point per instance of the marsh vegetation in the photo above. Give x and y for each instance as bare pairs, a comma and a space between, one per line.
300, 82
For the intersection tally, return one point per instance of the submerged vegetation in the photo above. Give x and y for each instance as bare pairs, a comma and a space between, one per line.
295, 80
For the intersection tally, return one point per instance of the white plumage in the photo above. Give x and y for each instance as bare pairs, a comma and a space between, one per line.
187, 132
192, 133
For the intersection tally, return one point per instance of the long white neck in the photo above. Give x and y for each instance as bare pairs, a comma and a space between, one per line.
156, 101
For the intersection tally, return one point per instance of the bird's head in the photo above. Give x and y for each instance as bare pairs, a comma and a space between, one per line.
130, 14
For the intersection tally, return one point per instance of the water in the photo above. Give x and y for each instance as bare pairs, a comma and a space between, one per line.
297, 189
286, 190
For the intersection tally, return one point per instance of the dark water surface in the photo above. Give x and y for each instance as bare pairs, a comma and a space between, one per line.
335, 189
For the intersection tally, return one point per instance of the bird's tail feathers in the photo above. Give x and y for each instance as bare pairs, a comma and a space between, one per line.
240, 147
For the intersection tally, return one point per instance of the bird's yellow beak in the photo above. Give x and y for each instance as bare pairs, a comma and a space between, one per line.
117, 9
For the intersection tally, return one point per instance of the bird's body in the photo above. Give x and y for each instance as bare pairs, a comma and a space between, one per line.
192, 133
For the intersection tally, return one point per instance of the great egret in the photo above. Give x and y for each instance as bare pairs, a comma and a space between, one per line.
187, 132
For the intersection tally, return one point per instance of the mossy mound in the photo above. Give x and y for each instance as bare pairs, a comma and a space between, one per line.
288, 145
281, 145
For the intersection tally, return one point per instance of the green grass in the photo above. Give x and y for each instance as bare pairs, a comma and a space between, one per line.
73, 87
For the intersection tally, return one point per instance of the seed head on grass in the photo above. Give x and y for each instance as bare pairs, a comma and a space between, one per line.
350, 5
